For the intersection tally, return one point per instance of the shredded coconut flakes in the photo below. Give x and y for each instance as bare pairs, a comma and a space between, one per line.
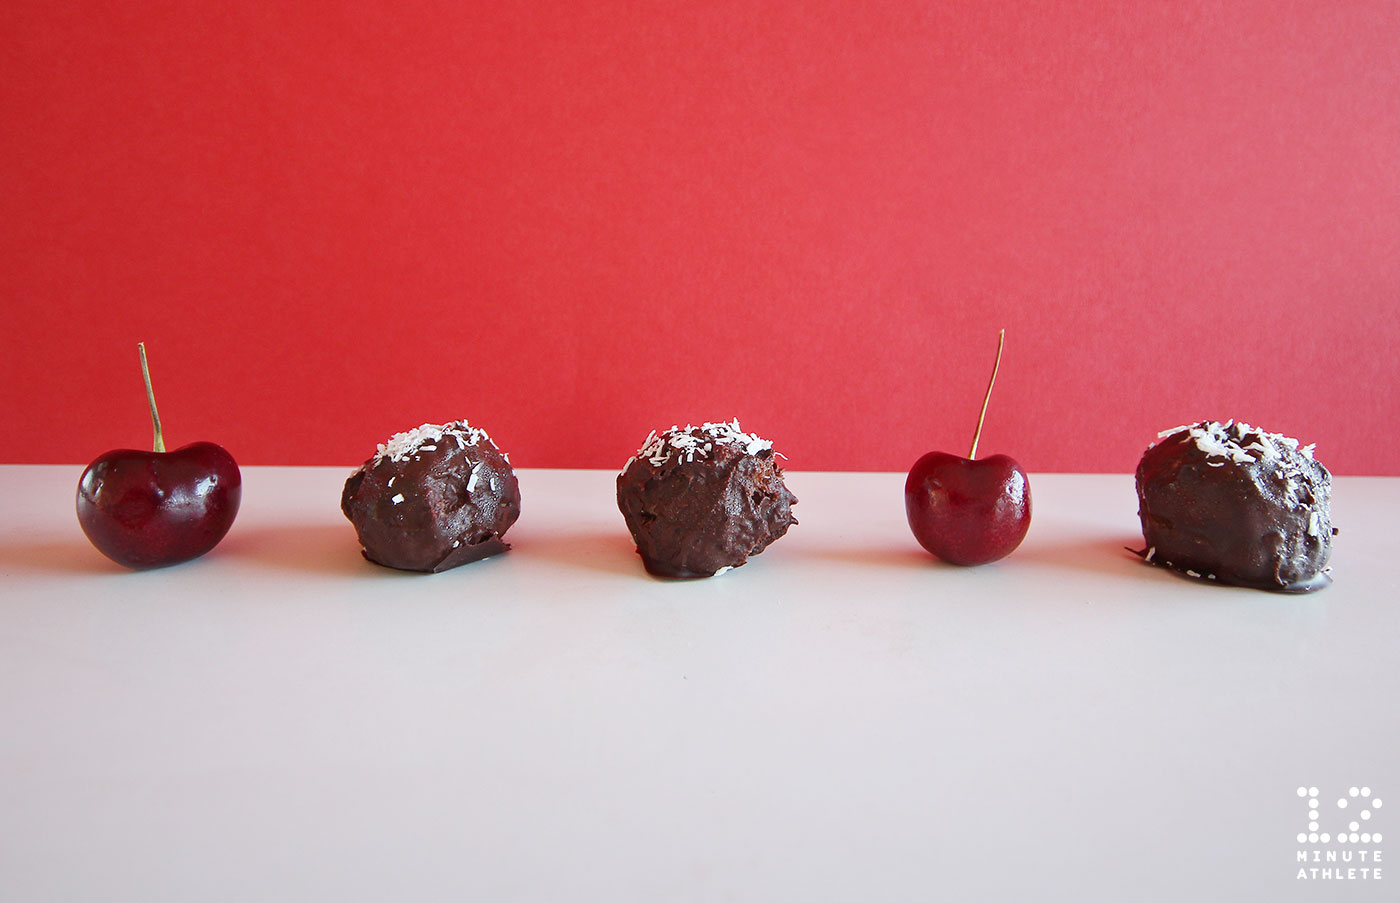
692, 442
407, 445
1227, 440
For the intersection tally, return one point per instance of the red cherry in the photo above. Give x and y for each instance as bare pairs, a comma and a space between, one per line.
146, 509
967, 511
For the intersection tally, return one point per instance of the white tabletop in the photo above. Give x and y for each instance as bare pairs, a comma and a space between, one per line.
841, 719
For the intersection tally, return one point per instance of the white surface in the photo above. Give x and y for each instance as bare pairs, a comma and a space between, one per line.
841, 719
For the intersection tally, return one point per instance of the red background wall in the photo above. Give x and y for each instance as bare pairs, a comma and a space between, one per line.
574, 222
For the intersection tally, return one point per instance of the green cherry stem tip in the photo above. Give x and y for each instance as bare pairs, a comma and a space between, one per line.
151, 398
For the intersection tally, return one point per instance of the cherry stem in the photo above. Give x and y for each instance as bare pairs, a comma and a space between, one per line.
1001, 342
151, 397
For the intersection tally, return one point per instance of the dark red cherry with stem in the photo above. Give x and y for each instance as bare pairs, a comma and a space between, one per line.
147, 509
968, 511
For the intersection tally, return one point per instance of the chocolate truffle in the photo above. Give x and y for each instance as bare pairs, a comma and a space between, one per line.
1234, 504
701, 500
433, 498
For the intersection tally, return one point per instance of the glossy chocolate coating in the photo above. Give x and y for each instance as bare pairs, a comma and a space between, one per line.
690, 518
439, 523
1265, 523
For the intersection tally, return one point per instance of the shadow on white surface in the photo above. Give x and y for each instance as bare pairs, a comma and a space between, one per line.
309, 548
1095, 554
605, 551
331, 550
56, 556
1101, 555
902, 556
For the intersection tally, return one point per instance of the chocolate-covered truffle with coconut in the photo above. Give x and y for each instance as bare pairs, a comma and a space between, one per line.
701, 500
1234, 504
433, 498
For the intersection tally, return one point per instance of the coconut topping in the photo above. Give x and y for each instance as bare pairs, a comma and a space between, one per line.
1236, 441
406, 445
697, 442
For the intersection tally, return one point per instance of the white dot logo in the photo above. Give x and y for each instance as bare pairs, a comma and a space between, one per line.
1367, 803
1359, 803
